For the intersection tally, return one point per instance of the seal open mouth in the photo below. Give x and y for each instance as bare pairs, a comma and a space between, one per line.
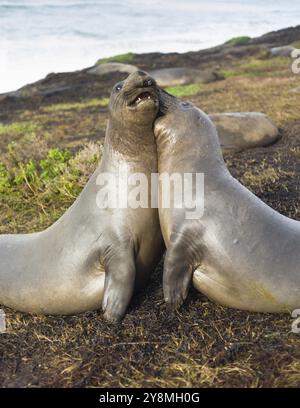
142, 97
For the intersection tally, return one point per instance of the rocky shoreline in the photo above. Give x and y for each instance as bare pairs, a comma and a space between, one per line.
200, 66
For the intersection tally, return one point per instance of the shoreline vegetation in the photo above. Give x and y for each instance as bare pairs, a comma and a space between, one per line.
51, 136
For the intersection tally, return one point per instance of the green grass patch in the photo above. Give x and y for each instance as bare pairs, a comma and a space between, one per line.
185, 90
296, 44
243, 40
19, 128
125, 58
90, 103
228, 73
56, 180
35, 175
258, 67
37, 191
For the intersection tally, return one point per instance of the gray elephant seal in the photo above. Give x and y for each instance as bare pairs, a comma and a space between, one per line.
240, 253
91, 254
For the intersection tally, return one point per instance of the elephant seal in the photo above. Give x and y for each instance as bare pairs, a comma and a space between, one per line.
244, 130
93, 254
182, 76
240, 252
111, 67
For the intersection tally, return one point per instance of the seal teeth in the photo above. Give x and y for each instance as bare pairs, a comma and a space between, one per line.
142, 96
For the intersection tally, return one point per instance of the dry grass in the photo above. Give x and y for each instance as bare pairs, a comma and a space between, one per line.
202, 345
259, 67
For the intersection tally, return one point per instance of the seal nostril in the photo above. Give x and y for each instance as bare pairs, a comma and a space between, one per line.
148, 82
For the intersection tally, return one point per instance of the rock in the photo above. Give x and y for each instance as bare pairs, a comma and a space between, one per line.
284, 51
244, 130
31, 90
183, 76
55, 90
4, 97
278, 38
102, 69
24, 92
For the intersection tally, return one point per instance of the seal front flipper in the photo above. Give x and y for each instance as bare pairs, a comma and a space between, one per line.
120, 274
179, 265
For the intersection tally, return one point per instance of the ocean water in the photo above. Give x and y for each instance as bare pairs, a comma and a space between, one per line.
42, 36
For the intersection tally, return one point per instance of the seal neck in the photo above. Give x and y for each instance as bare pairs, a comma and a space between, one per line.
131, 140
187, 141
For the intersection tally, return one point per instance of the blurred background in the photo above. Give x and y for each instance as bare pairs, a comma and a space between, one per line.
42, 36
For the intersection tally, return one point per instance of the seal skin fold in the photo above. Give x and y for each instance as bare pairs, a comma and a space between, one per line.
240, 252
93, 255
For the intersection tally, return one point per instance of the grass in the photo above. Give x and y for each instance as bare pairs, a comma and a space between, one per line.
243, 40
265, 177
258, 67
19, 128
296, 44
45, 187
123, 58
185, 90
296, 152
89, 103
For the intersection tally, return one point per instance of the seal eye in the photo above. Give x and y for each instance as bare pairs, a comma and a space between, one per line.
118, 87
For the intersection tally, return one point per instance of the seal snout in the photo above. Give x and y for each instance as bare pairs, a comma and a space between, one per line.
148, 82
139, 88
139, 79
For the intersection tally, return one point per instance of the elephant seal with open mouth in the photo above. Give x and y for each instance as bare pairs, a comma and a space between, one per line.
93, 255
240, 252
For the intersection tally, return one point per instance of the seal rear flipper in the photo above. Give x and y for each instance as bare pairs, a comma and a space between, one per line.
119, 284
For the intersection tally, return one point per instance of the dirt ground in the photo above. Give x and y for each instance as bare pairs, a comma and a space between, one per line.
203, 344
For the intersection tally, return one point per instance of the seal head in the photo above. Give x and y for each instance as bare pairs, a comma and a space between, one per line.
135, 100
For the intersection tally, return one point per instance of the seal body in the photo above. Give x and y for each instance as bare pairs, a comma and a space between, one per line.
240, 252
93, 254
182, 76
244, 130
